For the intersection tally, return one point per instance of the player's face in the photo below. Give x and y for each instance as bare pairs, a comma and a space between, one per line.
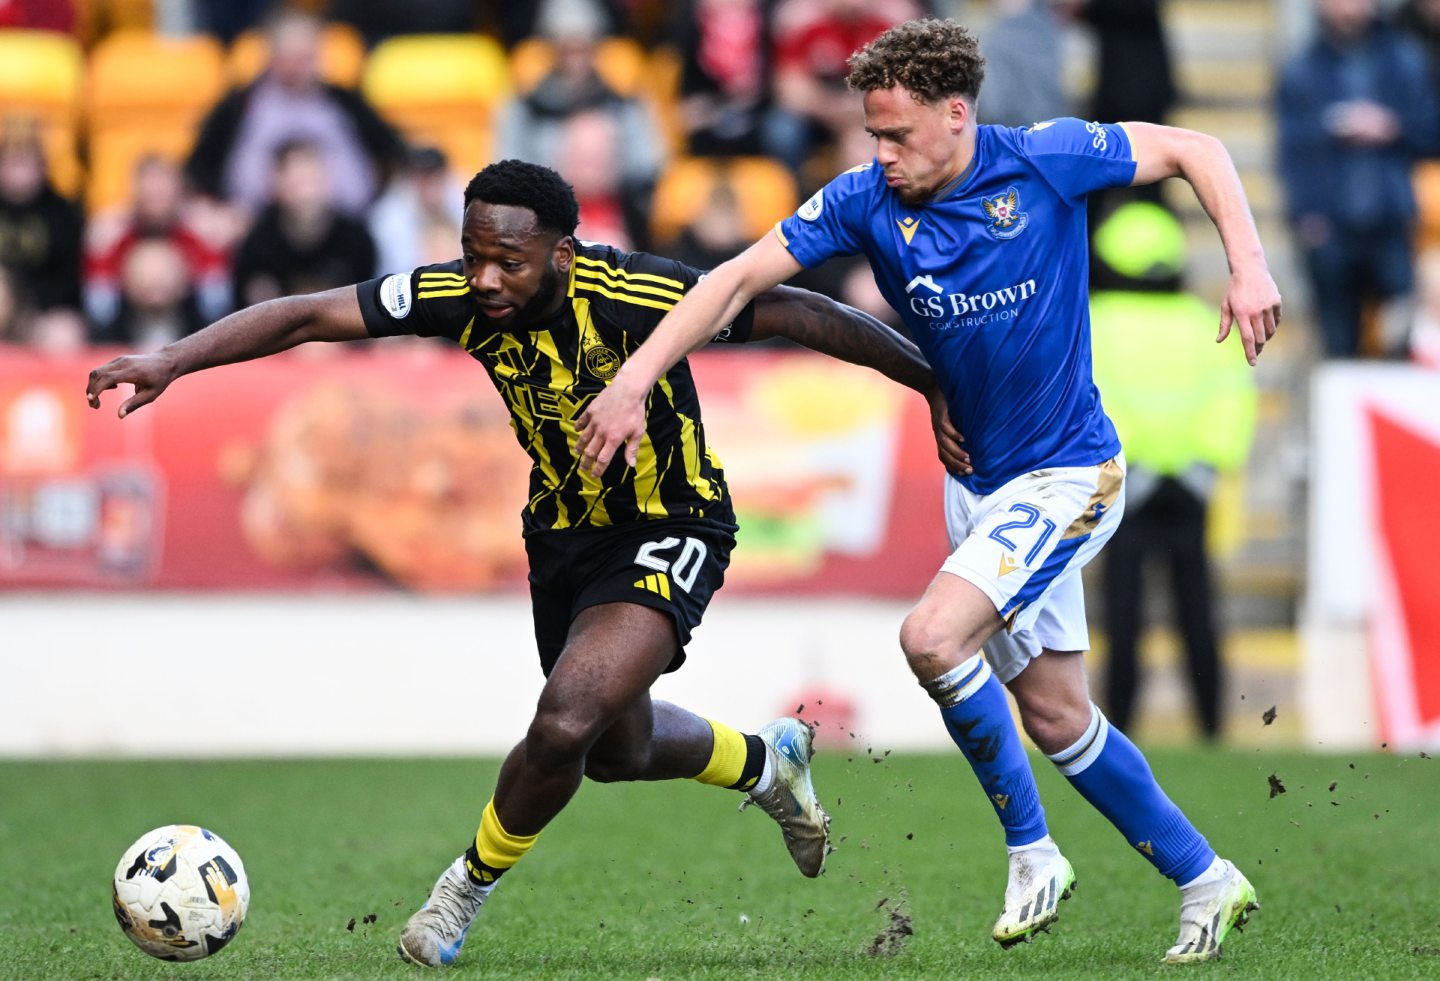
921, 145
516, 269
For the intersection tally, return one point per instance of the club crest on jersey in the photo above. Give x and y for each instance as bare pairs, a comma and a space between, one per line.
1004, 219
602, 362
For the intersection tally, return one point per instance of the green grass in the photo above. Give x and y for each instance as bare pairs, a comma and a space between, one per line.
667, 881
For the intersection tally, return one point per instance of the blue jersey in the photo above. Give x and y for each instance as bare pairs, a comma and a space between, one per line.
991, 276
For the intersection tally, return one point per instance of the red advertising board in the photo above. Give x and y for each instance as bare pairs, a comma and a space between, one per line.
393, 466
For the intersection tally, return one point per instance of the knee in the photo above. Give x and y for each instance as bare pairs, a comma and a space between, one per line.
930, 648
558, 738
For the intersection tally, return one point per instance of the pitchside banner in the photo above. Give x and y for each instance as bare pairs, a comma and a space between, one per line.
394, 467
1372, 616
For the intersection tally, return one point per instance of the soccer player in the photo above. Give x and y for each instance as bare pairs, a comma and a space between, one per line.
622, 565
976, 235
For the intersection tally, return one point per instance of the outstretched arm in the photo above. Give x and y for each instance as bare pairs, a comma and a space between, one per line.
616, 417
1252, 302
832, 328
264, 329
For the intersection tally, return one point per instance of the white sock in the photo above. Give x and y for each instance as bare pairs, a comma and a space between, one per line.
1039, 844
767, 777
1214, 873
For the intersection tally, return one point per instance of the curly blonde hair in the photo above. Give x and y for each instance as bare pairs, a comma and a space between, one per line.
932, 59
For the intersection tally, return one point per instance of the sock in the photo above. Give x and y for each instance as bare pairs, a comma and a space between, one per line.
495, 850
1214, 873
972, 703
1111, 773
737, 761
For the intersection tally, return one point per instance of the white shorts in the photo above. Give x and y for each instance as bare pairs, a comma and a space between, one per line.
1024, 545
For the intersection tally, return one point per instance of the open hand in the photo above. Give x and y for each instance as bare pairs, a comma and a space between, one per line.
614, 419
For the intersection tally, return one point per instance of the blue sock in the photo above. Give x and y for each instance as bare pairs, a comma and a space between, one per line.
972, 703
1110, 772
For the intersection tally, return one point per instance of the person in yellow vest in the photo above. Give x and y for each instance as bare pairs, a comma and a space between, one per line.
1184, 407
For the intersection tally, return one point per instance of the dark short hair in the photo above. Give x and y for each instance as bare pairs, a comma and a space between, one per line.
531, 186
931, 59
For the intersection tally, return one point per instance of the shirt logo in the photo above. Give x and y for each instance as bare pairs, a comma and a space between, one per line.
926, 281
908, 225
395, 295
602, 362
811, 209
1005, 220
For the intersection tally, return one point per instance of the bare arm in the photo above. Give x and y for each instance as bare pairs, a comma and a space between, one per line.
1252, 302
255, 332
832, 328
616, 417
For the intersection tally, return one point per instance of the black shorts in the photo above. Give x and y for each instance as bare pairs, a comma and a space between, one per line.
671, 565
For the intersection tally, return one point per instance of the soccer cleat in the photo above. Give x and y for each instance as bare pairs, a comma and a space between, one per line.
1207, 914
791, 800
1039, 879
434, 935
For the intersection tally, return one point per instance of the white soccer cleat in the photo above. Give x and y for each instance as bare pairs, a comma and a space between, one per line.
791, 800
1207, 914
433, 936
1039, 879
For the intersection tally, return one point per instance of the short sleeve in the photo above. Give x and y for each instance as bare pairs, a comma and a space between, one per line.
1077, 157
828, 224
432, 301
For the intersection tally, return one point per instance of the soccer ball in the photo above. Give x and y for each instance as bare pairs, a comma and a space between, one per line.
180, 893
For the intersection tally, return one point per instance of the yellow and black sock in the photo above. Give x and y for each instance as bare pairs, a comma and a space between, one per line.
495, 850
736, 762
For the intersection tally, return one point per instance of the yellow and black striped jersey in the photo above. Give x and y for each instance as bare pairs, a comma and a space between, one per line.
548, 372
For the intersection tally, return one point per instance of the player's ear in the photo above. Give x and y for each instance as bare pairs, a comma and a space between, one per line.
960, 112
564, 254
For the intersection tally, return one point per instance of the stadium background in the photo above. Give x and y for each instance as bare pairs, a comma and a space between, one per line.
235, 539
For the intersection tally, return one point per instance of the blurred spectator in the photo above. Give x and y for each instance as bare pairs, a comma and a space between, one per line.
290, 101
814, 42
1355, 109
726, 53
1421, 20
40, 231
156, 304
1134, 80
158, 210
1023, 82
1185, 410
514, 22
14, 316
535, 126
301, 243
590, 154
717, 232
417, 220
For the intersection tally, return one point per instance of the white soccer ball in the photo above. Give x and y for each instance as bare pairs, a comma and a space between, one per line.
180, 893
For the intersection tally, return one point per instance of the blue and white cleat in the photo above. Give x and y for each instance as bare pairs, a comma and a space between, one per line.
1039, 879
433, 936
791, 799
1207, 915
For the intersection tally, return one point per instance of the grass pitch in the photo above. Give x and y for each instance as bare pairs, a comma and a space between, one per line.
667, 881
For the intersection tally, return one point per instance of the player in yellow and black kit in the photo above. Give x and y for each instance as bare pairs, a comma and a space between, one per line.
623, 564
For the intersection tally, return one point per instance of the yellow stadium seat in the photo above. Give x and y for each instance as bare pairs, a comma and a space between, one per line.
764, 187
342, 55
41, 73
620, 61
137, 78
42, 77
440, 89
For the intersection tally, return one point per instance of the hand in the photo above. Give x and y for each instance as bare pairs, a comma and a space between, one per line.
615, 418
151, 374
948, 439
1251, 305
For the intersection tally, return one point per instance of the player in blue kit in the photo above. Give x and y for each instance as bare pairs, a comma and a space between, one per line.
977, 237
